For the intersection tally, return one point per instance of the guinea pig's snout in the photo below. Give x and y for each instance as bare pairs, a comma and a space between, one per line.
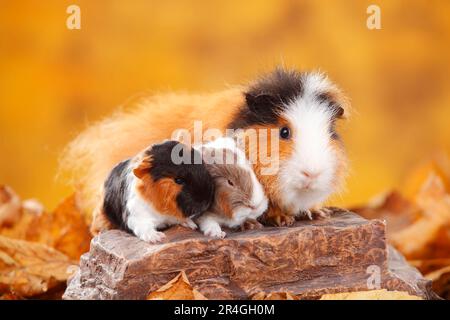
310, 174
309, 177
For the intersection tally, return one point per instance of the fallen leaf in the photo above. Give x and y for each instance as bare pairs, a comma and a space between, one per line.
426, 266
398, 211
70, 232
178, 288
28, 269
10, 296
420, 239
10, 206
439, 165
64, 229
382, 294
441, 282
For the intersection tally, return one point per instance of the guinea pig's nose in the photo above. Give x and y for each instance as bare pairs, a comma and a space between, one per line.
310, 174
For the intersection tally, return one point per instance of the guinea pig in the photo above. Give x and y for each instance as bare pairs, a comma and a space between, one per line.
302, 108
151, 191
239, 197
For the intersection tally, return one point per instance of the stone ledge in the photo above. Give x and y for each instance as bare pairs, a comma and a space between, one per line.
308, 259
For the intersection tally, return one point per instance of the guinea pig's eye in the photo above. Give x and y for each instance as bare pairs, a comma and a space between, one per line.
179, 181
285, 133
230, 183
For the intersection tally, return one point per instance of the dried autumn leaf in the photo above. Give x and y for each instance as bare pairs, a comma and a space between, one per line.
398, 211
69, 230
427, 266
64, 229
27, 227
10, 206
28, 269
371, 295
178, 288
432, 229
439, 165
441, 282
10, 296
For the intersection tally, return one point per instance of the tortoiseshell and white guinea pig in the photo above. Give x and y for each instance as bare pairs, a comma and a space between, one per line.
303, 107
150, 192
239, 197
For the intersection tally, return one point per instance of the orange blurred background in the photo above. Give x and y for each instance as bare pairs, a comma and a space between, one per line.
55, 81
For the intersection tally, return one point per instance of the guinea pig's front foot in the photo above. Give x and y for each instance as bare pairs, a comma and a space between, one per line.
189, 224
211, 228
281, 220
150, 235
317, 213
251, 224
322, 213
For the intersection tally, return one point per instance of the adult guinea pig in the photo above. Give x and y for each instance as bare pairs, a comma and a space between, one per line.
302, 107
152, 191
239, 197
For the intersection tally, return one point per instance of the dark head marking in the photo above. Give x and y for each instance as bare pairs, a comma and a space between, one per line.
329, 99
267, 97
332, 103
197, 186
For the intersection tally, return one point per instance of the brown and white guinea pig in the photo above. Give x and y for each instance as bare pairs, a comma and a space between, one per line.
304, 108
239, 197
151, 191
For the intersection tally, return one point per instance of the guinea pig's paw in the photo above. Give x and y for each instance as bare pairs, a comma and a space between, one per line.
281, 220
155, 237
190, 224
217, 234
307, 213
214, 231
251, 224
150, 235
322, 213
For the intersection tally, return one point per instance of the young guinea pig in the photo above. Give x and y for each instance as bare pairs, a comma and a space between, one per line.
239, 197
150, 191
301, 108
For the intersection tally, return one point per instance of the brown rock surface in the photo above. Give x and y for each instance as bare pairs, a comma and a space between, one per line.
309, 259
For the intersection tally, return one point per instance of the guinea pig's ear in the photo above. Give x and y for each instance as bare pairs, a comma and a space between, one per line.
143, 167
258, 101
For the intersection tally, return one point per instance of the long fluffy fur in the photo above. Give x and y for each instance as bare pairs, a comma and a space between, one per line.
95, 152
91, 156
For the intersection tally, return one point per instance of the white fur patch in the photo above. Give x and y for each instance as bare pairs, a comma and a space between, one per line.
143, 219
259, 200
309, 119
210, 226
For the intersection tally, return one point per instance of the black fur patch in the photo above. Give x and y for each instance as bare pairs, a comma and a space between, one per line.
267, 97
116, 193
332, 104
195, 197
197, 191
336, 109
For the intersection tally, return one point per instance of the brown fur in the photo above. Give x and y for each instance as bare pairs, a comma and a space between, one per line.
270, 182
95, 152
230, 197
161, 194
222, 204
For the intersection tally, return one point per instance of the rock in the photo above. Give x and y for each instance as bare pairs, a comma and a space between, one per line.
309, 259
